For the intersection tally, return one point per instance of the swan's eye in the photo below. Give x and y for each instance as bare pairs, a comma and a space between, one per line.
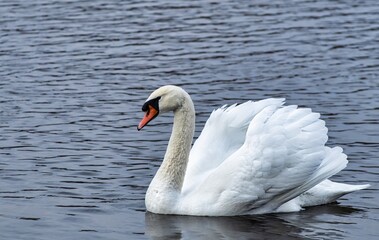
153, 102
151, 106
145, 107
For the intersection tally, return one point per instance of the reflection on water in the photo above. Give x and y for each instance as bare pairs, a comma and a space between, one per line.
186, 227
74, 75
272, 226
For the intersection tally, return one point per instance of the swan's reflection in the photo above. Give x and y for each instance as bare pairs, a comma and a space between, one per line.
273, 226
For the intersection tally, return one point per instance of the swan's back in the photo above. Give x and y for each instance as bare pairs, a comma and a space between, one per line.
255, 157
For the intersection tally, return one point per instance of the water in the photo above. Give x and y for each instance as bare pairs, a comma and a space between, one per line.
74, 75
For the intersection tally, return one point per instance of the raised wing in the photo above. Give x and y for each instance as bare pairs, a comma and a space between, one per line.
223, 134
283, 156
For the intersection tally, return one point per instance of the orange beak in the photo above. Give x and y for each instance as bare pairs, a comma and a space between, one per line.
151, 113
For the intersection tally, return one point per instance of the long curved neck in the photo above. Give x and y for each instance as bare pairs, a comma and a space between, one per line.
173, 168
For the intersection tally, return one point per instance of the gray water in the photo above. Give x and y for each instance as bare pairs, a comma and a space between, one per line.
74, 75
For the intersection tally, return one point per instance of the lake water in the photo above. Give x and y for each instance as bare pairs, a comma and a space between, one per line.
74, 75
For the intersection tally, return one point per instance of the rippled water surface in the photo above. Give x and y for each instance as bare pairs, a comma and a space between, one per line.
74, 75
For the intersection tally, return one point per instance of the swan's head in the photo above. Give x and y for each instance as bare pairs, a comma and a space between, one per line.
165, 99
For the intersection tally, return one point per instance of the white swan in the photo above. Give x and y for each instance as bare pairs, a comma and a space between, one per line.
252, 158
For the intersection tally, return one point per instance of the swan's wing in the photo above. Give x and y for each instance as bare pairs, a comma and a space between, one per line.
283, 156
223, 134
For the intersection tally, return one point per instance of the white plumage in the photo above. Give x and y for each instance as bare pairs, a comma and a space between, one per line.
252, 158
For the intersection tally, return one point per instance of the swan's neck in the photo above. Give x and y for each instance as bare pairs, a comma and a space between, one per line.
171, 173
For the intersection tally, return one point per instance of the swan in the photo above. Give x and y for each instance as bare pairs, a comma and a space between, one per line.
252, 158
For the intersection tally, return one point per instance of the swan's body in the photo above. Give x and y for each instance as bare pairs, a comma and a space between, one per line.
257, 157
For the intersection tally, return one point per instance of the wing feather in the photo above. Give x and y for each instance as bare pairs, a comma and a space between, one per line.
223, 134
282, 156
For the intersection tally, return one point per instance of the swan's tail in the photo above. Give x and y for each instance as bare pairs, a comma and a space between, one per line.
327, 192
334, 162
318, 189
